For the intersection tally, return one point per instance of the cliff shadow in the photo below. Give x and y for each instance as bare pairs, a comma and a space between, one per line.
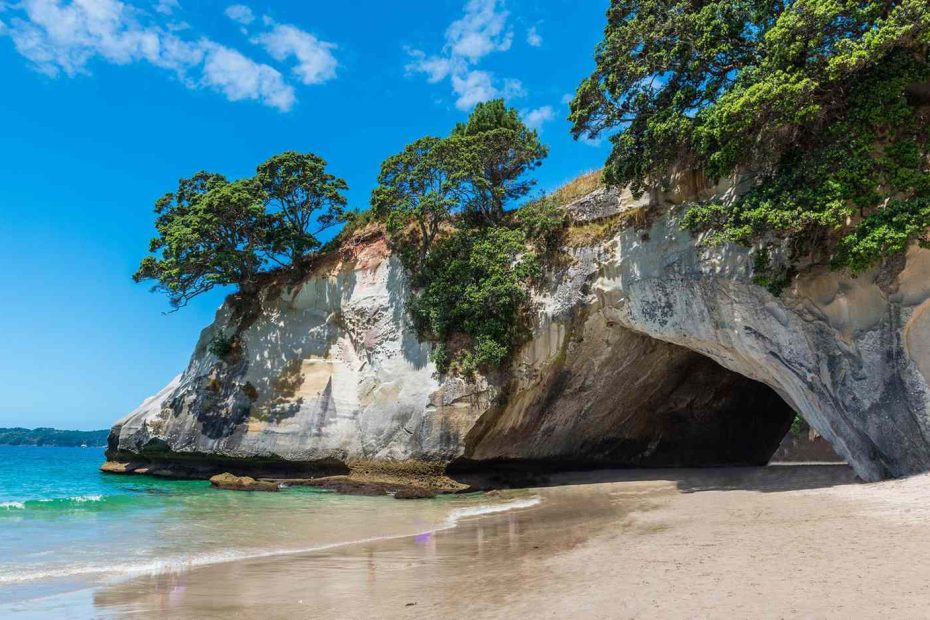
764, 479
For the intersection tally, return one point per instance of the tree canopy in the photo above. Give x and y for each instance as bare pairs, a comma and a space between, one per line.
303, 198
212, 231
823, 102
425, 183
447, 198
504, 150
476, 171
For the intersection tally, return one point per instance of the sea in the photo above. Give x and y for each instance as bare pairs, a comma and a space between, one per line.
66, 527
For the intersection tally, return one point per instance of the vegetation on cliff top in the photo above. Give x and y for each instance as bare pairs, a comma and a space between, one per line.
824, 102
213, 231
444, 201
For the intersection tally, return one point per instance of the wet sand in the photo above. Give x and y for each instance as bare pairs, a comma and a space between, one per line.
776, 542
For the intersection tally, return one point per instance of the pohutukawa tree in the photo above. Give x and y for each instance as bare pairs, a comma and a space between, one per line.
823, 102
303, 199
480, 168
425, 183
213, 232
446, 197
505, 150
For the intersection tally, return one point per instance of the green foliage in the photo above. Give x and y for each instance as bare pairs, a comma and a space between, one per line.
303, 199
475, 171
799, 428
221, 345
473, 287
52, 437
443, 202
775, 277
816, 98
215, 232
543, 222
209, 233
502, 149
424, 184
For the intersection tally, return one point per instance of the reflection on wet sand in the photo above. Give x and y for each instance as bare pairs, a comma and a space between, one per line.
765, 542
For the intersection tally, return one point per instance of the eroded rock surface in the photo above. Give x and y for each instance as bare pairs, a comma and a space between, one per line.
648, 349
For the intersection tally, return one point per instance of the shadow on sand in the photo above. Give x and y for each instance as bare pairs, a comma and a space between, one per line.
768, 479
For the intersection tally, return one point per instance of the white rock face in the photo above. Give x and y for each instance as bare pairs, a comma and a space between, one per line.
849, 354
617, 369
329, 370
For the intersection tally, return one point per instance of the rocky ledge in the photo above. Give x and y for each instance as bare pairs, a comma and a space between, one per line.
649, 349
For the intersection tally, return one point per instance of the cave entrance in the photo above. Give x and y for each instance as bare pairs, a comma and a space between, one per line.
617, 398
802, 444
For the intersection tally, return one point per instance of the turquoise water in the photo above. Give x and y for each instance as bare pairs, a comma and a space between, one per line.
66, 526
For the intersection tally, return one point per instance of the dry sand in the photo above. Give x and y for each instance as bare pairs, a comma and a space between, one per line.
776, 542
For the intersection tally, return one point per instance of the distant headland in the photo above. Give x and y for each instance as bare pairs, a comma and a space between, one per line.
52, 437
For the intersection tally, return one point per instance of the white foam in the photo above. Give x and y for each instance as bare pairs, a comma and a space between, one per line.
86, 498
12, 505
477, 511
156, 567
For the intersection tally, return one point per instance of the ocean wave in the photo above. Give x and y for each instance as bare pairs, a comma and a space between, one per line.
156, 567
77, 502
477, 511
78, 499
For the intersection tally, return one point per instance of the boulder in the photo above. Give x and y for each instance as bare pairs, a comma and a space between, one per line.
229, 482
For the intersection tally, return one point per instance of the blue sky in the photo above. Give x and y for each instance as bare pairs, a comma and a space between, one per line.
106, 104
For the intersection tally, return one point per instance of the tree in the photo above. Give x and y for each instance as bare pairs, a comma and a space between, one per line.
426, 183
815, 98
304, 199
215, 232
210, 232
505, 149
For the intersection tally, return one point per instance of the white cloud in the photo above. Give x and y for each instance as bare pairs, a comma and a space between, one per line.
472, 87
239, 77
479, 32
482, 30
315, 61
533, 38
436, 68
64, 38
166, 7
536, 118
476, 86
240, 13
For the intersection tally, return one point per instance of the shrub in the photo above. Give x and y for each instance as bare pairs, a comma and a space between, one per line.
475, 284
221, 345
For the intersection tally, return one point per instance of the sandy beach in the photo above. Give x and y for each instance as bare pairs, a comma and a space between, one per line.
776, 542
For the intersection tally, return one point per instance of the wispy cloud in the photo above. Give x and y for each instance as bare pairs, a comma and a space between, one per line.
482, 30
166, 7
536, 118
63, 39
239, 77
533, 37
240, 13
315, 61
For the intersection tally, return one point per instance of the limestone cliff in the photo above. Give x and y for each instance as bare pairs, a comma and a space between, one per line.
648, 349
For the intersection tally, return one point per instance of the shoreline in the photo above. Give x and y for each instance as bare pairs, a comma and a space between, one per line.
784, 541
584, 521
603, 544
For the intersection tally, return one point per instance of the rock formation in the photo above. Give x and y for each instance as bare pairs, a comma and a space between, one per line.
649, 349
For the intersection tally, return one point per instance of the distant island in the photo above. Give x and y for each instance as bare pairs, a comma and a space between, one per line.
52, 437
